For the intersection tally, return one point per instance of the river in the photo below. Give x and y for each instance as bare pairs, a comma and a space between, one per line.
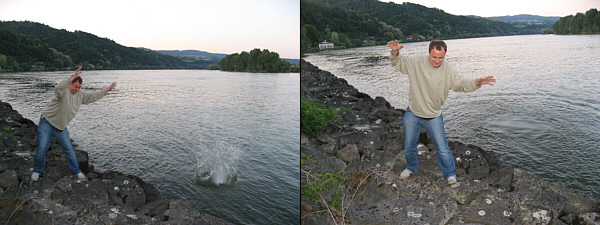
228, 143
541, 116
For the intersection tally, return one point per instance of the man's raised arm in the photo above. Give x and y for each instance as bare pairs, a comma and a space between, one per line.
395, 46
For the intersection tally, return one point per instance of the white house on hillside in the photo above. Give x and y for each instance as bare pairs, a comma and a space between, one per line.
325, 45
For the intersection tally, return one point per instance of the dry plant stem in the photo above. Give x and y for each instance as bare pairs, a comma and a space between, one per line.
326, 206
352, 199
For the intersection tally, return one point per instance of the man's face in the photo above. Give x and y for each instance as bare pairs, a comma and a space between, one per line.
74, 87
436, 57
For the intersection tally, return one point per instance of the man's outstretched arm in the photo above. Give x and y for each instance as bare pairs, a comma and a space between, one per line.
486, 80
395, 46
111, 87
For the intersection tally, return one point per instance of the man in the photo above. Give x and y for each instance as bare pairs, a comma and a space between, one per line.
430, 79
55, 118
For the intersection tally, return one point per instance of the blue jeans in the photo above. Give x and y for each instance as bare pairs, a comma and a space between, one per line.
45, 134
435, 129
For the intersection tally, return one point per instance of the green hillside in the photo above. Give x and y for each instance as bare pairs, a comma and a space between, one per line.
355, 23
26, 46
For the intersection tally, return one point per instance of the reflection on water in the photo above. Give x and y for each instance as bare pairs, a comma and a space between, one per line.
519, 126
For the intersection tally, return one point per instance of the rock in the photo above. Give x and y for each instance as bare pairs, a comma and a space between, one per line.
488, 209
471, 160
348, 153
124, 190
465, 191
155, 208
426, 209
551, 201
590, 218
575, 203
500, 178
8, 179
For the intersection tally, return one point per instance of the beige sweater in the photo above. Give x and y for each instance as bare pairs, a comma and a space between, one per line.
429, 86
63, 106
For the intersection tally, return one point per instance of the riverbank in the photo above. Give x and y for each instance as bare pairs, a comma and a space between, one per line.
367, 144
58, 198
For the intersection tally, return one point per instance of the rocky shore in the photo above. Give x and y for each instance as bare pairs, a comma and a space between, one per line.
58, 198
366, 142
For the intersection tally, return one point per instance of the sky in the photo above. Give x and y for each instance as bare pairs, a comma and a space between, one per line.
216, 26
482, 8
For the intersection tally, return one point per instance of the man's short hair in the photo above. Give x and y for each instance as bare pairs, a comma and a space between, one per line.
438, 45
78, 79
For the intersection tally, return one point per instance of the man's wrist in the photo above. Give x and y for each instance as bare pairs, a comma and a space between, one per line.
395, 52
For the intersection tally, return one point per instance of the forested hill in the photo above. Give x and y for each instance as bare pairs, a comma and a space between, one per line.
26, 46
353, 23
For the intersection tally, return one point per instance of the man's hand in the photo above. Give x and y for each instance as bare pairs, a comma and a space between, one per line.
486, 80
395, 46
111, 87
76, 74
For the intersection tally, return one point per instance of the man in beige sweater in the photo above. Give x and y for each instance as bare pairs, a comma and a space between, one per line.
430, 78
56, 116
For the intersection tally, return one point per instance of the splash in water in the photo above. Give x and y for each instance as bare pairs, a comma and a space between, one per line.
217, 163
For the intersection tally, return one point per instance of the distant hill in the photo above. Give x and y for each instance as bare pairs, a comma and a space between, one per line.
207, 55
192, 54
526, 18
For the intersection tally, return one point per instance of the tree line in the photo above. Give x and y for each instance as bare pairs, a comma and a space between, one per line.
588, 23
26, 46
257, 61
355, 23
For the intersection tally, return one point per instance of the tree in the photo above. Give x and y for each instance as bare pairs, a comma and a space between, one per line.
255, 61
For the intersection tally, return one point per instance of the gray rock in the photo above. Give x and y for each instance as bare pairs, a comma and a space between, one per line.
575, 203
8, 179
488, 209
465, 191
155, 208
550, 201
348, 153
500, 178
124, 190
590, 218
471, 160
372, 194
426, 209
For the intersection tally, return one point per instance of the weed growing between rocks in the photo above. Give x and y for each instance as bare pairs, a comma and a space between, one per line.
314, 116
6, 134
327, 189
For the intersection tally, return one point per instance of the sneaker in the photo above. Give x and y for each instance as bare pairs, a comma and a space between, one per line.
405, 174
452, 180
81, 176
35, 176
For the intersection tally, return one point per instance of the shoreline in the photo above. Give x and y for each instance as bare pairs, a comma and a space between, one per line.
107, 197
368, 146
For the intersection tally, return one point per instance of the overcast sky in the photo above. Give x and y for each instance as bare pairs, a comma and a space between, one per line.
217, 26
508, 7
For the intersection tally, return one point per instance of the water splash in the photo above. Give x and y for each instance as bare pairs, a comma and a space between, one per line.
217, 163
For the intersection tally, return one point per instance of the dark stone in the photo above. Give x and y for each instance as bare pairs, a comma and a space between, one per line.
8, 179
155, 208
124, 190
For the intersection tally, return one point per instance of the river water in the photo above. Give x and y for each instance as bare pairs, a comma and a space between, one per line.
228, 143
541, 116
